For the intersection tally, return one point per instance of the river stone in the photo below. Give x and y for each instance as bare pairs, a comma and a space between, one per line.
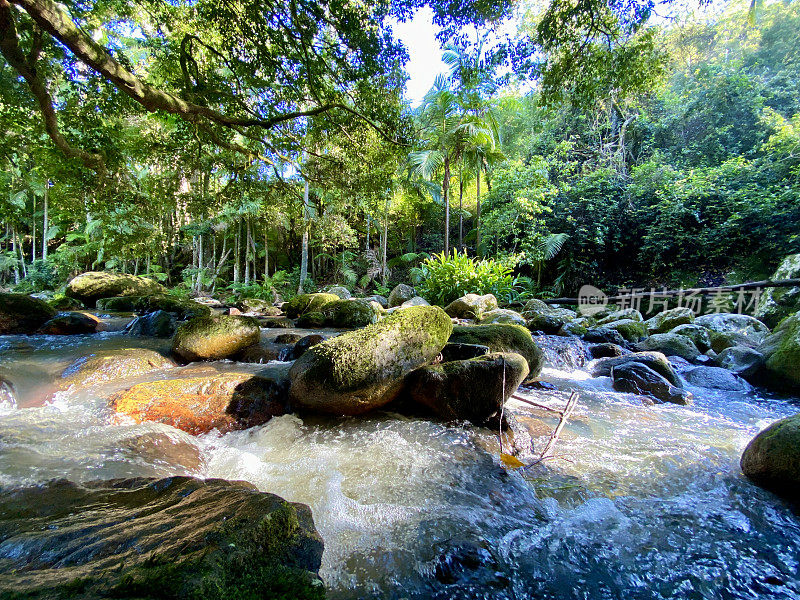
340, 291
670, 344
156, 447
20, 313
699, 335
638, 378
502, 315
349, 314
183, 308
781, 350
463, 351
66, 303
382, 300
71, 323
362, 370
775, 304
307, 303
471, 306
772, 458
655, 360
175, 538
669, 319
630, 329
159, 323
540, 316
90, 287
214, 338
503, 337
222, 401
469, 390
604, 335
415, 301
735, 326
607, 350
258, 306
619, 315
311, 320
741, 360
400, 294
716, 378
110, 365
302, 345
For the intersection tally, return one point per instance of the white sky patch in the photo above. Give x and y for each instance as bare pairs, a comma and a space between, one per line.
419, 37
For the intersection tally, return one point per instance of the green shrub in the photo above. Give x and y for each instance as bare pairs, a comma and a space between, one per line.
445, 278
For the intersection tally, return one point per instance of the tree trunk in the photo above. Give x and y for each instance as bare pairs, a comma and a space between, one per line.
478, 213
304, 247
385, 241
14, 250
445, 190
247, 254
237, 250
369, 226
45, 224
460, 208
200, 263
33, 231
266, 257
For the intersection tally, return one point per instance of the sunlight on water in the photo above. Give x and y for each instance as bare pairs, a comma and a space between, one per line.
642, 501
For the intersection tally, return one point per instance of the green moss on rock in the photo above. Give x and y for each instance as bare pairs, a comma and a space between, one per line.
503, 337
20, 313
630, 329
90, 287
772, 458
781, 350
307, 303
214, 338
670, 319
362, 370
184, 308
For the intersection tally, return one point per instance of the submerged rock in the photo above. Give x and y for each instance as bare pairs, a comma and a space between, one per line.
400, 294
163, 448
72, 323
362, 370
772, 458
110, 365
471, 306
638, 378
177, 537
776, 304
655, 360
222, 401
159, 324
20, 313
8, 394
90, 287
781, 352
214, 338
670, 344
471, 390
503, 337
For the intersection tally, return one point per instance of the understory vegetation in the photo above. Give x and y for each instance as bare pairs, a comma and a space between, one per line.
636, 153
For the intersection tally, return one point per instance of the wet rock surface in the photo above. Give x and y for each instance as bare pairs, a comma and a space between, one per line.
772, 458
637, 378
20, 313
213, 338
90, 287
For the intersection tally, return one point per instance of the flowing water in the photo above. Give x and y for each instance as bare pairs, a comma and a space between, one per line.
640, 502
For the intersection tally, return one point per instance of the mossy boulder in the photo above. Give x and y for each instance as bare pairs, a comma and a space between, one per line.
775, 304
159, 323
503, 337
90, 287
772, 458
71, 323
631, 330
311, 320
700, 336
604, 335
362, 370
20, 313
669, 319
618, 315
540, 316
307, 303
148, 538
258, 306
781, 350
655, 360
340, 291
66, 303
111, 365
670, 344
638, 378
350, 313
182, 308
400, 294
383, 301
471, 306
741, 360
415, 301
742, 330
214, 338
470, 390
222, 401
502, 315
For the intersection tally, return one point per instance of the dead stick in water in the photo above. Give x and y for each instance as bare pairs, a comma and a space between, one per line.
532, 403
551, 443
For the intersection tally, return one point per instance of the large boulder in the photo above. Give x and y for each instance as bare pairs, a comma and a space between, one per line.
619, 315
159, 323
540, 316
177, 537
471, 306
221, 401
772, 458
72, 323
741, 360
362, 370
781, 350
349, 314
604, 335
258, 306
307, 303
630, 329
471, 390
341, 291
670, 344
655, 360
400, 294
182, 308
716, 378
776, 304
90, 287
66, 303
502, 315
20, 313
699, 335
110, 365
638, 378
741, 329
669, 319
502, 337
214, 338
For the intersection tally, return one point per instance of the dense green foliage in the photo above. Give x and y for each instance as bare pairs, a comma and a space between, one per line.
445, 278
643, 156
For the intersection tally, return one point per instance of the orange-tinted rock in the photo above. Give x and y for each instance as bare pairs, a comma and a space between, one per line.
111, 365
225, 401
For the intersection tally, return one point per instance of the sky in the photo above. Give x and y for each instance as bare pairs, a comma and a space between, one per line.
419, 37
